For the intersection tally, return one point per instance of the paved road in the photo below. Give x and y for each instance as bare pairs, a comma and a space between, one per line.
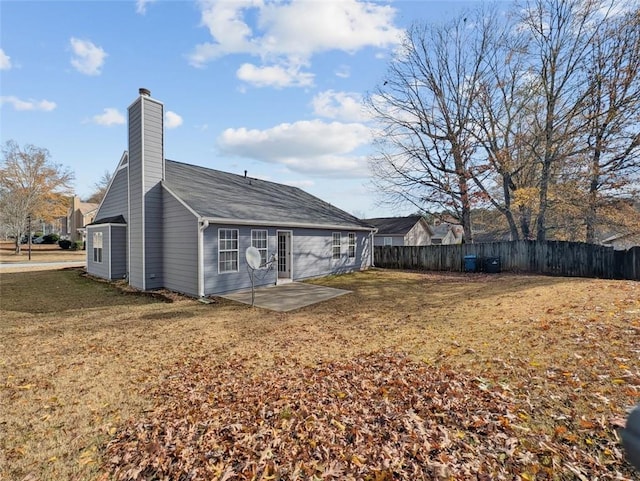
53, 265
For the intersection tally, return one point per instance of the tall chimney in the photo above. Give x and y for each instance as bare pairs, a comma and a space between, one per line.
146, 171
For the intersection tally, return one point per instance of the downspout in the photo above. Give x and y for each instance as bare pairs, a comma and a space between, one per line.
202, 225
371, 238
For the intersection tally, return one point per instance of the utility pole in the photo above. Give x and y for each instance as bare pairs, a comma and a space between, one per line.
29, 233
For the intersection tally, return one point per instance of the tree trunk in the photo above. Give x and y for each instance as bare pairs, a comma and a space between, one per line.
525, 222
506, 188
592, 207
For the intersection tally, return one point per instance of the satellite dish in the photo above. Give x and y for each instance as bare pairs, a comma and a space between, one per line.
254, 259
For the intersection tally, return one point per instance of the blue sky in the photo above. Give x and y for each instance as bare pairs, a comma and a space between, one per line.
269, 87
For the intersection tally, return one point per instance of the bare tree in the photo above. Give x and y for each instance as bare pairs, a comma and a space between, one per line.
100, 188
560, 33
30, 185
613, 114
504, 171
424, 109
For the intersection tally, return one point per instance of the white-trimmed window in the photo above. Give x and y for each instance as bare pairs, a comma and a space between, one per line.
352, 245
259, 241
227, 250
97, 247
335, 245
388, 241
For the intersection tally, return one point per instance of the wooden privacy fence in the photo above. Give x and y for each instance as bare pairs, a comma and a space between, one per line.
572, 259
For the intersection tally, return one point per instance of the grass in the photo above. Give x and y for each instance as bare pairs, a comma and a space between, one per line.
39, 253
78, 357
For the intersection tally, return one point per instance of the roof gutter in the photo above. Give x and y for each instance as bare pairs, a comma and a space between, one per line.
307, 225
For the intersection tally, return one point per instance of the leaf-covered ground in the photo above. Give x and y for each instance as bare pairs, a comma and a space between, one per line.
83, 366
377, 417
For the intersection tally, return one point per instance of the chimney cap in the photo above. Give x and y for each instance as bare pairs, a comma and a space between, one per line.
145, 92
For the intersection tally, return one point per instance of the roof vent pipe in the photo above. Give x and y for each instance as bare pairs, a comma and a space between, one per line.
144, 92
245, 174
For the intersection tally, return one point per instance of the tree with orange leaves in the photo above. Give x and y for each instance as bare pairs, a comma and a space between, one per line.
30, 185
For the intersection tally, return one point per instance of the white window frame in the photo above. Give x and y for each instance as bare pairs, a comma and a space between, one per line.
97, 245
256, 241
351, 249
388, 241
336, 255
225, 249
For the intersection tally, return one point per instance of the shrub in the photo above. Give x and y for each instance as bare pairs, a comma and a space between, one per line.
77, 245
64, 244
50, 239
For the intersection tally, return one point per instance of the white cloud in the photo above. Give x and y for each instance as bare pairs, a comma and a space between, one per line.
18, 104
290, 33
172, 120
5, 61
109, 117
88, 58
141, 6
274, 76
343, 106
306, 146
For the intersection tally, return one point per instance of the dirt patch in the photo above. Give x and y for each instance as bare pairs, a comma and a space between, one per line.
79, 368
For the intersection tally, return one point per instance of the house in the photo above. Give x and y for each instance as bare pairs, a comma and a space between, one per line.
167, 224
621, 242
401, 231
79, 215
446, 233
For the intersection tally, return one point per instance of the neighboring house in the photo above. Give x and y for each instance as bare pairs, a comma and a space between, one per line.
446, 233
401, 231
80, 215
621, 242
166, 224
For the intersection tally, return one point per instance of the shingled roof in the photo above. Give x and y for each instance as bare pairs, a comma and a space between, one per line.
214, 194
393, 225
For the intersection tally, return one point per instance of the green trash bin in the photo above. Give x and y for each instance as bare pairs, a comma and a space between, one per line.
492, 265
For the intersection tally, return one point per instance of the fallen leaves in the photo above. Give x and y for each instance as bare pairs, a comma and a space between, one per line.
375, 417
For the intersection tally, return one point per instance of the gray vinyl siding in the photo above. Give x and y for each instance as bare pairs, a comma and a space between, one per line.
135, 196
118, 251
153, 173
116, 199
153, 237
313, 255
215, 283
180, 234
145, 224
98, 269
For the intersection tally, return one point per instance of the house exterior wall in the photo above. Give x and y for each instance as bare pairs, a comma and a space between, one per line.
116, 199
118, 251
180, 238
219, 283
114, 251
153, 175
397, 240
313, 255
417, 236
146, 169
98, 269
311, 249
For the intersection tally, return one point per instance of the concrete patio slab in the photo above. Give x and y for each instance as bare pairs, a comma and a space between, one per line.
287, 297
